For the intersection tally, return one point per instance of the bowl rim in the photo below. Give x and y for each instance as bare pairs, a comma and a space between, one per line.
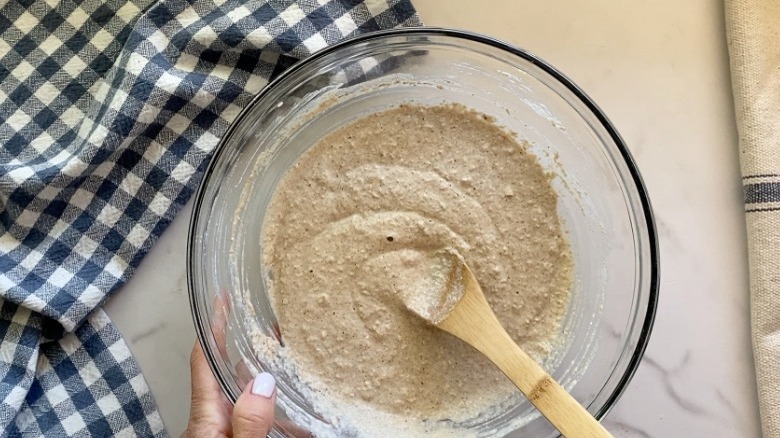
577, 92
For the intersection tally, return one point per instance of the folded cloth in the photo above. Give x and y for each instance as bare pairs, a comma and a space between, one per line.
753, 28
109, 111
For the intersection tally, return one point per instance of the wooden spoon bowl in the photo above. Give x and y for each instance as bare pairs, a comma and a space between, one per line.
459, 307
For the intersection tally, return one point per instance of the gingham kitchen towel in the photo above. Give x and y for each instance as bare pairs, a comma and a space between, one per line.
109, 111
754, 47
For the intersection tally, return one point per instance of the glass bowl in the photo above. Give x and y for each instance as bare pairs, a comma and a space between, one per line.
602, 203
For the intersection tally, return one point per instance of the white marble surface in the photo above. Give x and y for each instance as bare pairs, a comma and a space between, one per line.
660, 71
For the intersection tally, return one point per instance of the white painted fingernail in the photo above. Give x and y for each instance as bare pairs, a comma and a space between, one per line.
264, 385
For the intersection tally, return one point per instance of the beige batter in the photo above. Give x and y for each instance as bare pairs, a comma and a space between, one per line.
434, 289
357, 216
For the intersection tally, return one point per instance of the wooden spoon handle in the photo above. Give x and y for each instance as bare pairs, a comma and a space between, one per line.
474, 322
560, 408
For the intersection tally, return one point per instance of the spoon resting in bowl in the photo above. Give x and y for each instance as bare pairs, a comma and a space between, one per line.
451, 299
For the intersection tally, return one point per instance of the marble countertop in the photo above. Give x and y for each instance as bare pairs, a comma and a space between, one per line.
660, 71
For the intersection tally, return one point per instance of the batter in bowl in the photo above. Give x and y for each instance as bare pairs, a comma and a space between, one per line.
356, 216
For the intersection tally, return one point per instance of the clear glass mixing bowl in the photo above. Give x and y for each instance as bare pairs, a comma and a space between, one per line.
602, 203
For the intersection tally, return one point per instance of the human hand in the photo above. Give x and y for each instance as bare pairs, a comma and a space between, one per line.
212, 414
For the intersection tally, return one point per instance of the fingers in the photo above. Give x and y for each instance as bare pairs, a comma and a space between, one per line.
253, 414
204, 385
219, 323
209, 409
244, 375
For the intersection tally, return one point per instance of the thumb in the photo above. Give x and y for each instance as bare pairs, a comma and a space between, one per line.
253, 414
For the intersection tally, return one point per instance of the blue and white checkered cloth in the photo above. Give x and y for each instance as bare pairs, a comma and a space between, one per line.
109, 111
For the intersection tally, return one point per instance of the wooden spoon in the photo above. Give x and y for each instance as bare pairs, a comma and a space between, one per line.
453, 301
